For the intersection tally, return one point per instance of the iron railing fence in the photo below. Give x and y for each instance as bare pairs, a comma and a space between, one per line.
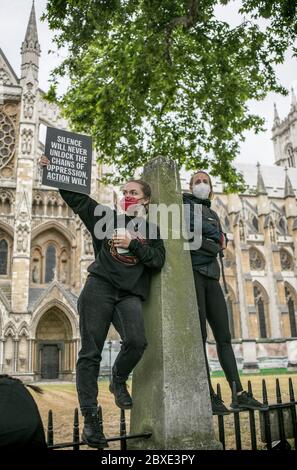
275, 426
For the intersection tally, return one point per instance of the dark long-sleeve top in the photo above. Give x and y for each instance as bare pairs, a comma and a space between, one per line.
131, 271
211, 235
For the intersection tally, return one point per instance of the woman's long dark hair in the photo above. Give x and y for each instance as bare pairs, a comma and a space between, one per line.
33, 387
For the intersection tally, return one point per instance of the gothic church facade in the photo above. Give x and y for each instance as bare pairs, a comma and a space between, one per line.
44, 248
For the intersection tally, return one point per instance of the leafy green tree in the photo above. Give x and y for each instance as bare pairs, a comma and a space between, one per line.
167, 77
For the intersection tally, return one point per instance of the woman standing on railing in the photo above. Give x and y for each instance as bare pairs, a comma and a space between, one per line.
128, 250
210, 298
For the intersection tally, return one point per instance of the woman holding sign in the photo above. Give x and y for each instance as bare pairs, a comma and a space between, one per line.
128, 250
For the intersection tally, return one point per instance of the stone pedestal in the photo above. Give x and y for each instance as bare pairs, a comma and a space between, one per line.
170, 390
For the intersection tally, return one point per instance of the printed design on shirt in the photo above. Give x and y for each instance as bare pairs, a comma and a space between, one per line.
126, 258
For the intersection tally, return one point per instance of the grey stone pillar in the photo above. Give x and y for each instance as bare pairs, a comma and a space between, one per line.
170, 390
274, 310
244, 320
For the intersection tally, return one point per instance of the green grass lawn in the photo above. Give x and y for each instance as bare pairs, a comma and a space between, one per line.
280, 371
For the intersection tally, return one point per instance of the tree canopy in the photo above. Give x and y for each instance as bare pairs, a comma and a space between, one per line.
167, 77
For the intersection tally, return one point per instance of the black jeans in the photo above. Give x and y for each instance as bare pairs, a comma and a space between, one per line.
99, 305
212, 307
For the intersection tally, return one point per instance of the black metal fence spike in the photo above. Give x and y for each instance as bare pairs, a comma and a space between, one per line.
50, 429
278, 392
252, 421
264, 392
236, 417
76, 430
123, 430
219, 392
293, 411
291, 390
250, 390
234, 394
221, 421
123, 422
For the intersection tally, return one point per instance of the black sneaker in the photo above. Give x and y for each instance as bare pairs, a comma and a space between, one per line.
246, 401
122, 397
217, 405
92, 433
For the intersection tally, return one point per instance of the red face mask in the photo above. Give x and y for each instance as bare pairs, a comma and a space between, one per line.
128, 201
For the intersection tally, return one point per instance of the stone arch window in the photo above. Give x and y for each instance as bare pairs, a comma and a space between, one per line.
286, 259
36, 274
52, 206
5, 202
261, 312
290, 156
9, 350
255, 223
290, 299
50, 263
3, 257
257, 262
37, 206
23, 352
283, 225
50, 257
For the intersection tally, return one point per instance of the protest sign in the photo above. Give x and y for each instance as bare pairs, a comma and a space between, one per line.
70, 158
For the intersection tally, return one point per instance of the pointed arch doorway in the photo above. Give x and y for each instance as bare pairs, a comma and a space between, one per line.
55, 351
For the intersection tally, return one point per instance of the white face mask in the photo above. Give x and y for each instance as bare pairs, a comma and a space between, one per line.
201, 190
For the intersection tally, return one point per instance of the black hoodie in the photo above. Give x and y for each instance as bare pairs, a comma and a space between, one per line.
130, 272
204, 260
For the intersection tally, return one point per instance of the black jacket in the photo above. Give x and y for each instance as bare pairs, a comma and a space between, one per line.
204, 260
130, 273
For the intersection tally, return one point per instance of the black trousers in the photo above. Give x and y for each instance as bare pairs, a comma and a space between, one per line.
20, 422
212, 307
99, 305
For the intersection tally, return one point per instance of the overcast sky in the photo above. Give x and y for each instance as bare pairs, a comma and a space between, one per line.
14, 15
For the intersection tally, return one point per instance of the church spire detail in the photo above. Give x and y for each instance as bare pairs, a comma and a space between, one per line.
30, 47
276, 120
289, 191
261, 189
294, 100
